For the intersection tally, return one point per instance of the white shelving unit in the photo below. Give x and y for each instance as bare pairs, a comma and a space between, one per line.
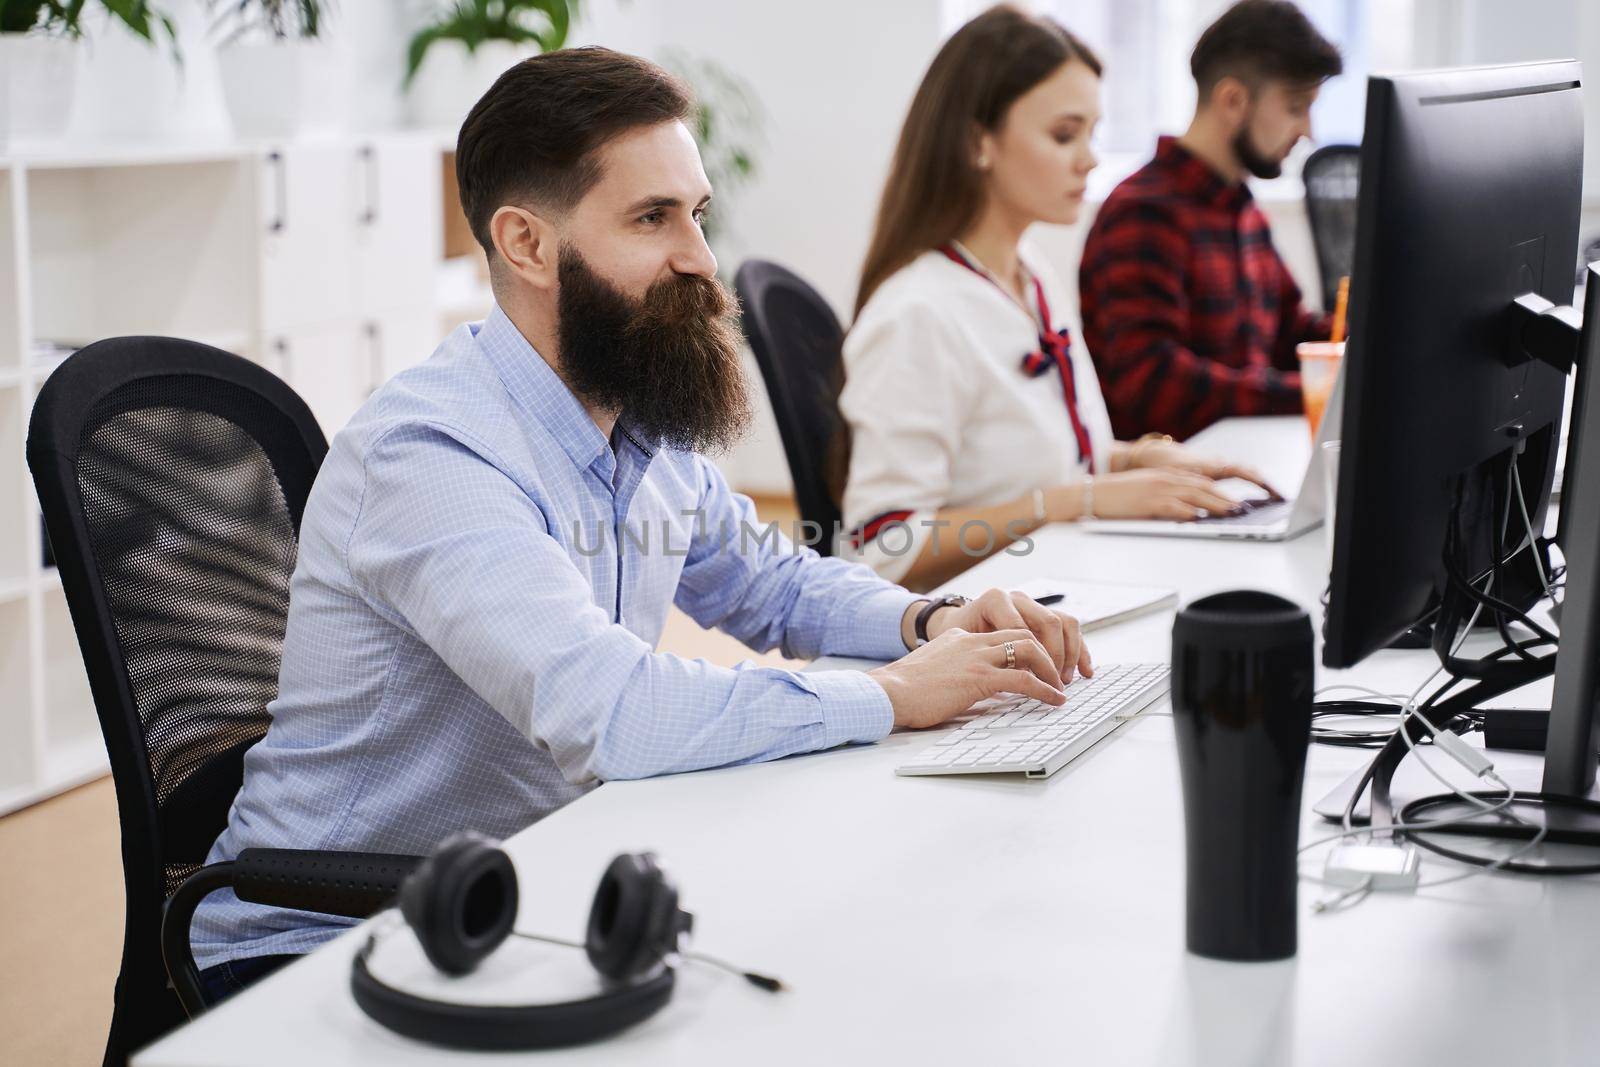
317, 259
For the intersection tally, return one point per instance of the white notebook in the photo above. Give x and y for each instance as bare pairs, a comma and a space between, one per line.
1100, 604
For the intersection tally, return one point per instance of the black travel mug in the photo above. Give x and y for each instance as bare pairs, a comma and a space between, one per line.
1242, 677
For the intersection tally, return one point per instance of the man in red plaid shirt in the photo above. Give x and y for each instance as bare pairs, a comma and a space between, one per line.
1188, 313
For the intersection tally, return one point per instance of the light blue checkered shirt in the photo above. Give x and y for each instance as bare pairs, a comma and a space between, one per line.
467, 648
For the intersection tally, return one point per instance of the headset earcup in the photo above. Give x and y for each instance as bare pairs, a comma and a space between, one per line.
633, 922
461, 902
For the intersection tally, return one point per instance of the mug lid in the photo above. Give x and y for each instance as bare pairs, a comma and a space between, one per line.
1242, 615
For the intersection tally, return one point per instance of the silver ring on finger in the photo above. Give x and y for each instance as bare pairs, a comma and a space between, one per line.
1011, 654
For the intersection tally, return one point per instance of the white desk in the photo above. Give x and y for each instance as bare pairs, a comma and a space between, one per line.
996, 920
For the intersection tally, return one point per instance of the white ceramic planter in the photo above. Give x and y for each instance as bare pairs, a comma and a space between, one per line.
38, 77
451, 80
284, 88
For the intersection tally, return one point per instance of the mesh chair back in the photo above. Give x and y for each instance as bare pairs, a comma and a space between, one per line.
1332, 175
797, 343
173, 478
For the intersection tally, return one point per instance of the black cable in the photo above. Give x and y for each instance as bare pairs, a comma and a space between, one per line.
1461, 710
1445, 715
1498, 544
1337, 738
1489, 676
1444, 634
1388, 758
1551, 800
1488, 600
760, 981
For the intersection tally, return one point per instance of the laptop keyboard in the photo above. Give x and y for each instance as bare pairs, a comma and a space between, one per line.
1261, 512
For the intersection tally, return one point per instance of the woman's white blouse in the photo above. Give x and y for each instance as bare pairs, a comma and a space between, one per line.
941, 413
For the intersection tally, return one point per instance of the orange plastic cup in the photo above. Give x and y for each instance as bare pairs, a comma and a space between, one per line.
1319, 369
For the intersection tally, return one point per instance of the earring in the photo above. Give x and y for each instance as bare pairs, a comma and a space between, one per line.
983, 162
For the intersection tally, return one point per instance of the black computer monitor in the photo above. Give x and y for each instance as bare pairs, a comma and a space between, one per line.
1573, 738
1470, 191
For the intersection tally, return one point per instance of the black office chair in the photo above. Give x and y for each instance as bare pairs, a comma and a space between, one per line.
173, 478
797, 343
1332, 176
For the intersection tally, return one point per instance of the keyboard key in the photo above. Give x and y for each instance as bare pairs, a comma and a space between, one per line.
1017, 733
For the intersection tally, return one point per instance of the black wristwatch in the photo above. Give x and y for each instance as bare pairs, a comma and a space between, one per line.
920, 628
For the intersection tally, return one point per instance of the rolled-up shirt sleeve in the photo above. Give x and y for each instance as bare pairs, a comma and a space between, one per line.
447, 546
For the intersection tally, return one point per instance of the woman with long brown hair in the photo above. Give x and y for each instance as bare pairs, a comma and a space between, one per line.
973, 418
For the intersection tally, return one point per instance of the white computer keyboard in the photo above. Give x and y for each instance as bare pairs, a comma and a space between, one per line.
1022, 735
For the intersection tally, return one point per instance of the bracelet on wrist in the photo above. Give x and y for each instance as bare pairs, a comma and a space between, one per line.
1088, 496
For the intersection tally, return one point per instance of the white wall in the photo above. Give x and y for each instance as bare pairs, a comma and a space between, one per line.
834, 79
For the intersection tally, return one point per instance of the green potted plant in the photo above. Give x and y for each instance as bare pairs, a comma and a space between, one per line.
40, 46
454, 58
278, 75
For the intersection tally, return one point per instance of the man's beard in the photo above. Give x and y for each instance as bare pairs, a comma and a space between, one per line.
1244, 149
667, 364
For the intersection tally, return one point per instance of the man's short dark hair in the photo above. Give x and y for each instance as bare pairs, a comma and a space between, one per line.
533, 137
1258, 41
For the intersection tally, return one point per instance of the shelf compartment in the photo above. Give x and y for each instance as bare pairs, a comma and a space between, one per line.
70, 723
142, 249
16, 499
11, 339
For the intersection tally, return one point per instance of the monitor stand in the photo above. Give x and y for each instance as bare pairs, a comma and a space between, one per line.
1567, 825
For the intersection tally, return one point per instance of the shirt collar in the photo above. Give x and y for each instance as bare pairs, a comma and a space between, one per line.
1031, 286
536, 388
1193, 176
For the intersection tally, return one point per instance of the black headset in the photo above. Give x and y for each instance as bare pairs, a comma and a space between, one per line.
461, 903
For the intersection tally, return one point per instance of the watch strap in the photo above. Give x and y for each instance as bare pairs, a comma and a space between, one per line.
920, 626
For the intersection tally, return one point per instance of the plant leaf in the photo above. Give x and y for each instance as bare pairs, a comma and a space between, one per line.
419, 46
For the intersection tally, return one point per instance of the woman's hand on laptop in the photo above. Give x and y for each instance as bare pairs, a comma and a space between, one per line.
956, 669
1145, 493
1001, 609
1152, 454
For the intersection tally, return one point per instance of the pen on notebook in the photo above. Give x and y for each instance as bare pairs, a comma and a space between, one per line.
1053, 598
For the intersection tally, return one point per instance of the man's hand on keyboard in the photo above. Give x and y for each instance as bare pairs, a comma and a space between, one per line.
956, 669
1000, 609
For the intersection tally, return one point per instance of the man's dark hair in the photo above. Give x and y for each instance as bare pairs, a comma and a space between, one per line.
1263, 40
533, 136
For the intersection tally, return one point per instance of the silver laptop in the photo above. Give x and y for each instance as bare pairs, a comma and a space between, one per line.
1261, 520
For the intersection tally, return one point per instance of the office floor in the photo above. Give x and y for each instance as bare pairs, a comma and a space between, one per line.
61, 893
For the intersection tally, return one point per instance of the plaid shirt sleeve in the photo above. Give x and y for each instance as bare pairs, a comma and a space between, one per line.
1300, 323
1137, 314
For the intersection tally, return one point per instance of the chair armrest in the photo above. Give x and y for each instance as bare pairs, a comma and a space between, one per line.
352, 884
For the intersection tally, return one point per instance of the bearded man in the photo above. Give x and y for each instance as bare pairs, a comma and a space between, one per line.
493, 543
1189, 314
